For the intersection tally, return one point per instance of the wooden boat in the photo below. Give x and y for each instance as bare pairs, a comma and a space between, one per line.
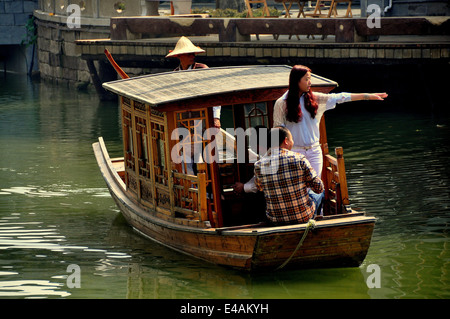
196, 213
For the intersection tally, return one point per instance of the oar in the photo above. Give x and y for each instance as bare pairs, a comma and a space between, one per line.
115, 65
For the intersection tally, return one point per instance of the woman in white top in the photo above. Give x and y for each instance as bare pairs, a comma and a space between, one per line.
300, 111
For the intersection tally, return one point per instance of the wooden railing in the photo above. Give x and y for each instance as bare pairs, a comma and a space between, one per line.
190, 195
335, 182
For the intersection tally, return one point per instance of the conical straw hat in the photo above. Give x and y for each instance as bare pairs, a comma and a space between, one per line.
184, 45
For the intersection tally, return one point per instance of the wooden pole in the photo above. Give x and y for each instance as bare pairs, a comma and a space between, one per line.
119, 70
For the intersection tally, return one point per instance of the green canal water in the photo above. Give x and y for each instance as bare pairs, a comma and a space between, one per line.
55, 211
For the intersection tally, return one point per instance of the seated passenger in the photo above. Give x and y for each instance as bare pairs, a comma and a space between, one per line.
285, 178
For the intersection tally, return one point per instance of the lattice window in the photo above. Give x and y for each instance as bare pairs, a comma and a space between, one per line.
142, 147
195, 123
159, 151
256, 114
128, 139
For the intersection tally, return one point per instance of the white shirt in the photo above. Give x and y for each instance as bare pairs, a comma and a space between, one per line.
250, 186
306, 131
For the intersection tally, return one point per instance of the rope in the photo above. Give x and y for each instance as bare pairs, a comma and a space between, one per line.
311, 224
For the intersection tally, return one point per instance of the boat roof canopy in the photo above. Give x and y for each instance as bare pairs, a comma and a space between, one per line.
161, 88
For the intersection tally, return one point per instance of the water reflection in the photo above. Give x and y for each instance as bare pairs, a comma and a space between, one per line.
43, 244
397, 167
31, 288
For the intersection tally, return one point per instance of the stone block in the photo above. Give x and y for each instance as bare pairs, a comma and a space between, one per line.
147, 51
70, 48
276, 52
407, 54
226, 51
345, 53
11, 34
123, 49
380, 54
336, 53
55, 47
131, 50
389, 53
14, 6
362, 53
70, 36
398, 54
55, 34
416, 53
284, 52
70, 62
53, 59
70, 74
436, 53
43, 56
21, 19
83, 76
29, 6
301, 52
45, 33
6, 19
218, 51
319, 53
353, 53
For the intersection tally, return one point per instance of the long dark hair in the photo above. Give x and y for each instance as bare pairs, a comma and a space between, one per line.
294, 111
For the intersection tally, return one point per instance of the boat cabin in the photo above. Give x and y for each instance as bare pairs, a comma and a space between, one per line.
181, 168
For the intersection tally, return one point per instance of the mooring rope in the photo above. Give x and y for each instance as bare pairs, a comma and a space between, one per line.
311, 224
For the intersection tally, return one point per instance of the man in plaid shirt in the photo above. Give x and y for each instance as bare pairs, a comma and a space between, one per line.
284, 177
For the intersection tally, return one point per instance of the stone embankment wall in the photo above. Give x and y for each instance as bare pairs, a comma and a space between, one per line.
59, 59
58, 56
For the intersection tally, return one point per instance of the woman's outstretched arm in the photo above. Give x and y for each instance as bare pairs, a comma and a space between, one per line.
368, 96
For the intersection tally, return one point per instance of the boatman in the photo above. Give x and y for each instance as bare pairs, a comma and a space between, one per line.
185, 51
293, 190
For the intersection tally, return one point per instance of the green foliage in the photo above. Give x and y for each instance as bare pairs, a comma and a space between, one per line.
31, 34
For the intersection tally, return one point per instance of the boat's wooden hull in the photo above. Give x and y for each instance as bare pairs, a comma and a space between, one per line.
336, 242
